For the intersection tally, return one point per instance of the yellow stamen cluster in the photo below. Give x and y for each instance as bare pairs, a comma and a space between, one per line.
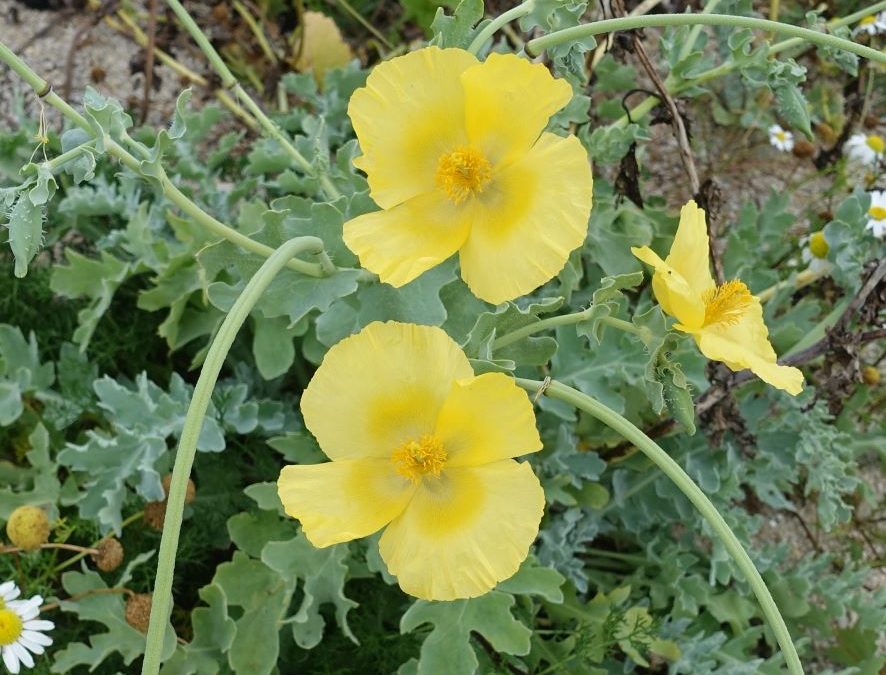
726, 303
876, 143
868, 20
818, 245
463, 173
416, 459
781, 135
877, 212
10, 626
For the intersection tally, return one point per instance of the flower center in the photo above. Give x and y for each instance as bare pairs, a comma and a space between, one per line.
780, 135
877, 212
876, 143
463, 173
415, 459
10, 627
868, 20
726, 303
818, 245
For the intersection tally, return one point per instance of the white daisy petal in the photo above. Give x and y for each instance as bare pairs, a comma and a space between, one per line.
38, 638
10, 660
877, 213
9, 591
39, 624
30, 645
23, 655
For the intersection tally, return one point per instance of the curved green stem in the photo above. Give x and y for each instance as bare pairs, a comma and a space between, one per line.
566, 320
501, 20
230, 82
698, 498
187, 447
538, 45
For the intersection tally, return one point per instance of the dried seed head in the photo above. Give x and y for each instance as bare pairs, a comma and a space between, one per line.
138, 611
28, 527
155, 514
109, 556
190, 492
803, 149
870, 375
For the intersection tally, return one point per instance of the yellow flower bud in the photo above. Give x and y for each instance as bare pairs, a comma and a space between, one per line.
28, 528
870, 375
818, 245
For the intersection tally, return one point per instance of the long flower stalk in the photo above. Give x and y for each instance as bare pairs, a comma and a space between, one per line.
695, 495
187, 447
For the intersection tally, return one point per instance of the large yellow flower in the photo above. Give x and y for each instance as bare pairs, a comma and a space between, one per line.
418, 443
456, 157
726, 321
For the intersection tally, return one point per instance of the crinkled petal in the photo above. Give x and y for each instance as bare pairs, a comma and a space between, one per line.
409, 114
464, 532
508, 101
676, 297
690, 252
343, 500
380, 388
487, 419
535, 213
400, 243
746, 345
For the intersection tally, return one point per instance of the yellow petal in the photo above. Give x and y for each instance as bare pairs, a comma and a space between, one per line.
487, 419
380, 388
534, 214
690, 252
746, 345
400, 243
508, 103
463, 533
408, 115
344, 500
672, 291
322, 48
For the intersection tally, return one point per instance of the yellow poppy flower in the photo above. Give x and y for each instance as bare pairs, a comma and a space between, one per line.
455, 155
726, 321
422, 446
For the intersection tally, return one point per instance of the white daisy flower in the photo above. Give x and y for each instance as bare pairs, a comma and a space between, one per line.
781, 139
815, 253
865, 148
21, 632
877, 213
872, 24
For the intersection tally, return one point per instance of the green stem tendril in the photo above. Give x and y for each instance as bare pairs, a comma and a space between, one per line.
230, 82
686, 485
187, 448
503, 19
566, 320
538, 45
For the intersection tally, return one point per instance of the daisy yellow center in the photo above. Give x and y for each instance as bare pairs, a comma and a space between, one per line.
818, 245
10, 627
463, 173
876, 143
868, 20
418, 458
780, 135
877, 212
726, 303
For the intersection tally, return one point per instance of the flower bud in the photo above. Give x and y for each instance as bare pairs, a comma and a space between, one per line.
109, 556
826, 133
870, 375
28, 528
803, 149
138, 611
818, 245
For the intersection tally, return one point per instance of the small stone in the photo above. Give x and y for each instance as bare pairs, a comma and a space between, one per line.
109, 556
28, 528
138, 611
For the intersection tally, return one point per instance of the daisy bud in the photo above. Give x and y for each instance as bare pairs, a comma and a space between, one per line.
28, 527
138, 611
109, 556
870, 375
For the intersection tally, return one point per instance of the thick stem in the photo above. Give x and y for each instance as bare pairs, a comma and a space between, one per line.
230, 82
695, 495
187, 447
503, 19
538, 45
